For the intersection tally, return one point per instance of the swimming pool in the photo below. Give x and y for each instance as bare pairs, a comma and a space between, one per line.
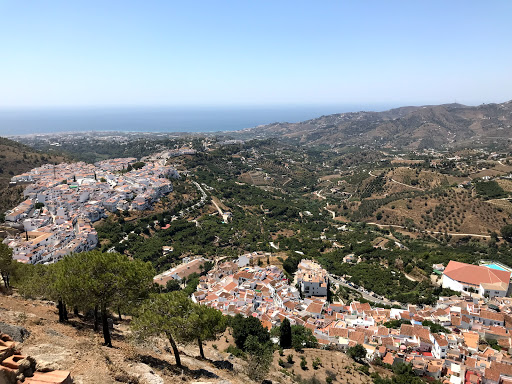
494, 266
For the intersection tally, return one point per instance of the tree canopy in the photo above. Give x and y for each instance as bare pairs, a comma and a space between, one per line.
168, 315
91, 280
357, 352
506, 232
6, 264
207, 324
243, 327
302, 337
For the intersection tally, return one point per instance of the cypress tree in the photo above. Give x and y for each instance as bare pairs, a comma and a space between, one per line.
285, 337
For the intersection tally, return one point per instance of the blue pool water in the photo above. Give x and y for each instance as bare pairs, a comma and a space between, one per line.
494, 266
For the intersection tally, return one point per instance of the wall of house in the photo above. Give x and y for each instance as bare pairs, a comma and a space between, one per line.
452, 284
313, 289
492, 292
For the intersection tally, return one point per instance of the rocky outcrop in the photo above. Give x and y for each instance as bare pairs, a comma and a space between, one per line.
18, 334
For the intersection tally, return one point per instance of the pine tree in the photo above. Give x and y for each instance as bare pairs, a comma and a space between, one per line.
259, 359
91, 280
6, 264
166, 314
104, 280
207, 323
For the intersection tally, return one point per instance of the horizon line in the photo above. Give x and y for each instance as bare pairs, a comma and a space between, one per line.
245, 105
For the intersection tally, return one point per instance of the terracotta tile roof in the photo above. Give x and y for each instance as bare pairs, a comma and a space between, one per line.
494, 316
435, 366
338, 332
422, 333
231, 286
407, 330
441, 341
504, 343
314, 308
498, 331
387, 341
310, 326
471, 362
471, 339
493, 373
474, 274
357, 336
388, 359
369, 334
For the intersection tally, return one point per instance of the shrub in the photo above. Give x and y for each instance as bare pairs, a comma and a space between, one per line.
364, 369
317, 363
235, 351
289, 359
357, 353
304, 363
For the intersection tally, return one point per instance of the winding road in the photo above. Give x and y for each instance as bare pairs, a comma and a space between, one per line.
366, 296
398, 182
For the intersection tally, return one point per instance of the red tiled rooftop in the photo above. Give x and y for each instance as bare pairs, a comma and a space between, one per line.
474, 274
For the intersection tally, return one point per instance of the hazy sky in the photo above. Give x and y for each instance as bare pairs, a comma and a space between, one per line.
249, 52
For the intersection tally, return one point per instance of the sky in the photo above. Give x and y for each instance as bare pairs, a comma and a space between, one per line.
268, 52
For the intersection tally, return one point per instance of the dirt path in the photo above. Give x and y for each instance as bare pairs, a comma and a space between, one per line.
410, 278
317, 193
406, 185
217, 206
331, 212
433, 232
398, 182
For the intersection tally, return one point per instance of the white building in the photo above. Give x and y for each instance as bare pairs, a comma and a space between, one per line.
486, 281
312, 279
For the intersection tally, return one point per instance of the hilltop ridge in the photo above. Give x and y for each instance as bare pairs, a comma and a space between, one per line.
411, 127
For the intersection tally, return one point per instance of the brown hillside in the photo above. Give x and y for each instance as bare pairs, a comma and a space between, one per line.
449, 125
453, 211
16, 158
75, 347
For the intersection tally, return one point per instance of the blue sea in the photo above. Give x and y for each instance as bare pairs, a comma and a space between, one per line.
18, 121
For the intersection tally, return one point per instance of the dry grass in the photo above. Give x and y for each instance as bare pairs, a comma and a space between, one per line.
458, 212
506, 184
333, 364
255, 178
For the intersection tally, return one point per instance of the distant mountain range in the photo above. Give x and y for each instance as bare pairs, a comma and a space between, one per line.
431, 126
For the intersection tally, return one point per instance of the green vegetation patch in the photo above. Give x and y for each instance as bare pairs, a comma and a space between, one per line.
489, 189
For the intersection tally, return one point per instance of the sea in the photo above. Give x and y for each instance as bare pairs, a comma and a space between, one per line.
27, 121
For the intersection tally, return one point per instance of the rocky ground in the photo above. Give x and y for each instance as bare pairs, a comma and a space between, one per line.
74, 346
